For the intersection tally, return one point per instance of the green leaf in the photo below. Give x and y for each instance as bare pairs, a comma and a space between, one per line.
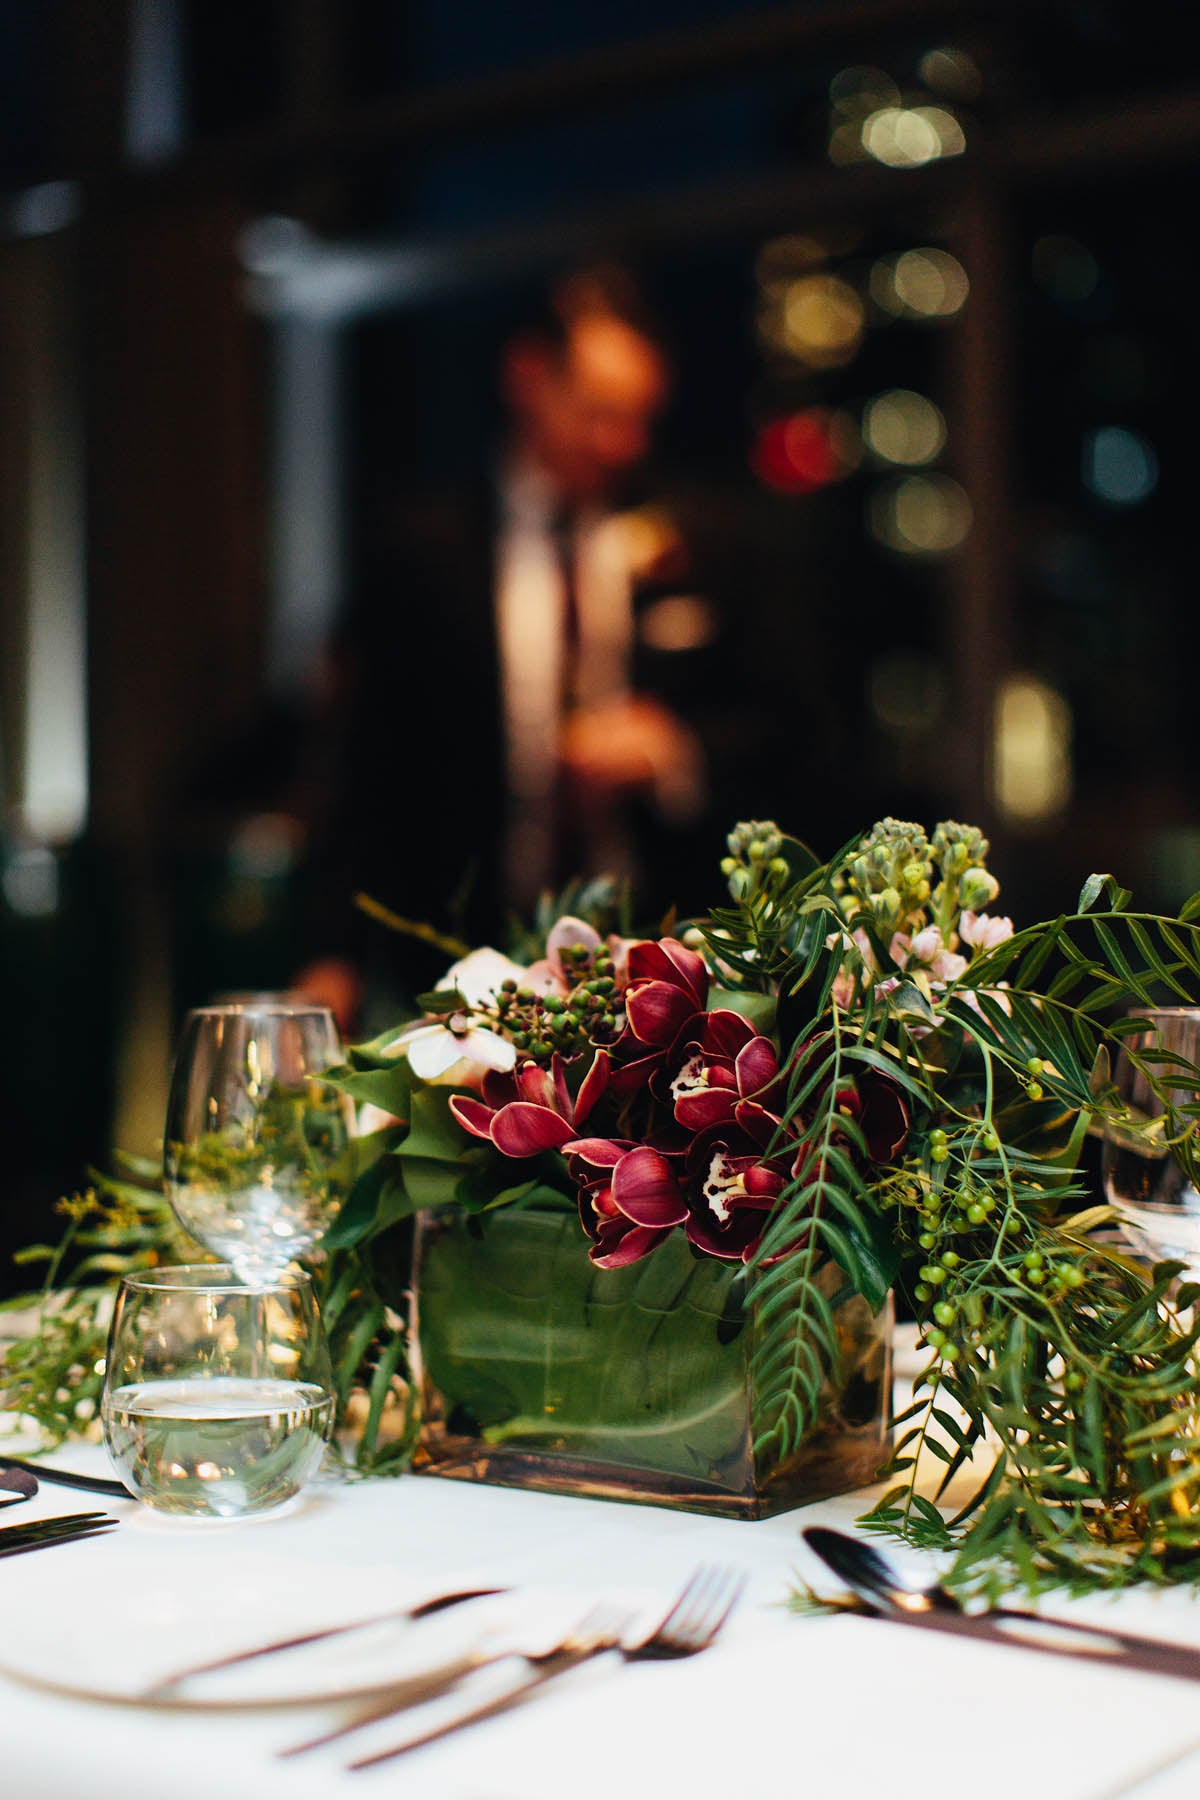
876, 1258
442, 1001
377, 1200
434, 1135
908, 998
388, 1087
1091, 891
759, 1009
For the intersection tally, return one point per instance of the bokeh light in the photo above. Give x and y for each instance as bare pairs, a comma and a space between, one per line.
806, 450
854, 94
925, 283
1032, 751
1120, 466
782, 258
861, 89
818, 319
908, 137
901, 426
678, 622
920, 515
951, 71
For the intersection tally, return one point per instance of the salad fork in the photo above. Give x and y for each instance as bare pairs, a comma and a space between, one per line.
690, 1626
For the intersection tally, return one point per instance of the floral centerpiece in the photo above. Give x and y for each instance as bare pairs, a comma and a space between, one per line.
855, 1076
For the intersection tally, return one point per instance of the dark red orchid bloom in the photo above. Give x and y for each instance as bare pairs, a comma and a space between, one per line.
666, 987
869, 1100
716, 1060
532, 1109
629, 1198
736, 1168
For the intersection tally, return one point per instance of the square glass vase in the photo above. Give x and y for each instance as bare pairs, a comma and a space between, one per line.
537, 1369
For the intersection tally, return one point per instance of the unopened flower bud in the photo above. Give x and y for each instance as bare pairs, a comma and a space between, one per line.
977, 888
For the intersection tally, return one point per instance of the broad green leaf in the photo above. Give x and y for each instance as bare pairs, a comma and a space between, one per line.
434, 1134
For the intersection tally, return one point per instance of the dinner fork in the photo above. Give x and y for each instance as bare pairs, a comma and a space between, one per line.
690, 1626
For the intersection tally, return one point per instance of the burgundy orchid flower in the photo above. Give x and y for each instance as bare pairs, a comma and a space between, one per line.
667, 986
735, 1169
870, 1100
731, 1182
532, 1109
715, 1061
629, 1198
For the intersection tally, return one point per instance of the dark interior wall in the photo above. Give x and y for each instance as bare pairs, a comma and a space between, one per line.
363, 118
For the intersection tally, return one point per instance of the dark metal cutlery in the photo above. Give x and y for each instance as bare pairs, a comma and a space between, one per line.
89, 1484
42, 1534
691, 1625
162, 1690
883, 1595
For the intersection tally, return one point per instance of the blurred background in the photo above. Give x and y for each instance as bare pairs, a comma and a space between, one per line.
925, 278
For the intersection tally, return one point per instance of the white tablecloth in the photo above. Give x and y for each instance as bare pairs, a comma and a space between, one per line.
812, 1707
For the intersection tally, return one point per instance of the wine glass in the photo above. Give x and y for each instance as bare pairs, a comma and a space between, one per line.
257, 1150
1151, 1157
218, 1397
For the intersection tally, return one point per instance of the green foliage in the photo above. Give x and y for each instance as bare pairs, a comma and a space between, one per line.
1070, 1370
119, 1223
1061, 1383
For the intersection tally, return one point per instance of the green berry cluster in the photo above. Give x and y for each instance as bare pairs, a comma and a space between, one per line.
541, 1024
952, 1221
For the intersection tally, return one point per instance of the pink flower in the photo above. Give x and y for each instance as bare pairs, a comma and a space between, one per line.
532, 1109
982, 931
927, 945
629, 1198
551, 972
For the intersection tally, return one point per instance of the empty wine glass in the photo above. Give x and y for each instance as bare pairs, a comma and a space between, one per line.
218, 1398
1151, 1157
257, 1150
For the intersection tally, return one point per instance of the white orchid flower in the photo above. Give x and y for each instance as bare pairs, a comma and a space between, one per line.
433, 1050
455, 1050
479, 976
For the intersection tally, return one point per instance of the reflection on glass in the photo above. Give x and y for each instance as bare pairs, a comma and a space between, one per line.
1152, 1156
257, 1146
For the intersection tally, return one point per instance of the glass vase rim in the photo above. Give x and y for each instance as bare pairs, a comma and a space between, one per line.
224, 1009
220, 1278
1165, 1012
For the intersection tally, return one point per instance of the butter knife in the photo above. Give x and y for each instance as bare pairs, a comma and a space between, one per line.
859, 1566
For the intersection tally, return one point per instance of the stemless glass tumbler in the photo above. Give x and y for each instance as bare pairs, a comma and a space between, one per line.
218, 1398
257, 1146
1152, 1162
